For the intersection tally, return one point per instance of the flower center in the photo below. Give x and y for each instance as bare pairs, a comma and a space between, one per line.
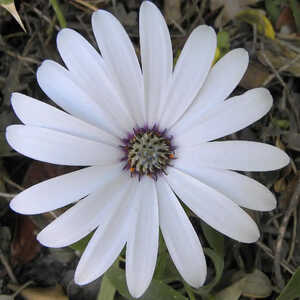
147, 152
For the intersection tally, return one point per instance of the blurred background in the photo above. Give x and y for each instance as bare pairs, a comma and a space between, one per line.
270, 31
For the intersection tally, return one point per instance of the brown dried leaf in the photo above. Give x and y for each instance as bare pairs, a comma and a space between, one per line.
38, 172
52, 293
255, 76
11, 8
286, 22
24, 246
280, 56
172, 10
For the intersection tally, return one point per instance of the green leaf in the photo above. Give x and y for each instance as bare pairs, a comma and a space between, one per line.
295, 6
292, 289
232, 292
273, 8
107, 290
218, 262
60, 16
81, 244
214, 238
165, 269
223, 41
255, 285
257, 17
5, 2
156, 291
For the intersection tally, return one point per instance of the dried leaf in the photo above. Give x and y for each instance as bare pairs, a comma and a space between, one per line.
257, 17
24, 246
9, 5
280, 56
255, 76
172, 10
286, 22
52, 293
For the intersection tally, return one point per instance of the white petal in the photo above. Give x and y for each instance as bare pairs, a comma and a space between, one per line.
213, 207
121, 61
234, 155
87, 66
107, 242
142, 244
59, 148
58, 84
190, 73
63, 190
180, 237
220, 82
226, 118
37, 113
157, 59
241, 189
90, 212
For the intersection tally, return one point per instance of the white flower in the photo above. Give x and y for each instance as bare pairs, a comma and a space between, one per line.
110, 103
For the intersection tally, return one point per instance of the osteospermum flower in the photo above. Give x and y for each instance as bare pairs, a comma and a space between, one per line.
147, 138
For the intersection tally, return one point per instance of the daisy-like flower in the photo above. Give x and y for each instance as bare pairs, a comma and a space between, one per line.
146, 136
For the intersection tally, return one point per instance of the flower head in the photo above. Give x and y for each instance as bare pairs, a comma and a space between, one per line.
146, 137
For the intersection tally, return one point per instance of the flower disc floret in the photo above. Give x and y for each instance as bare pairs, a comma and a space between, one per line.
148, 152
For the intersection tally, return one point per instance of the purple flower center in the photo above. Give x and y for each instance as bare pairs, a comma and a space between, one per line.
147, 151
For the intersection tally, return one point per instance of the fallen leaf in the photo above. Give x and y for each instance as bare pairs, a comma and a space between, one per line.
52, 293
280, 56
38, 172
25, 246
172, 10
129, 19
9, 5
255, 76
286, 22
293, 140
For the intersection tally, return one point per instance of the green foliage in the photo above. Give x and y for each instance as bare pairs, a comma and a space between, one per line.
292, 289
156, 291
254, 285
107, 290
81, 245
273, 8
214, 239
223, 42
5, 2
60, 16
218, 262
295, 6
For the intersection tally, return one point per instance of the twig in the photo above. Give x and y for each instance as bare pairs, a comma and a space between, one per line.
283, 68
7, 267
12, 183
276, 74
293, 243
7, 195
86, 4
282, 229
269, 252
